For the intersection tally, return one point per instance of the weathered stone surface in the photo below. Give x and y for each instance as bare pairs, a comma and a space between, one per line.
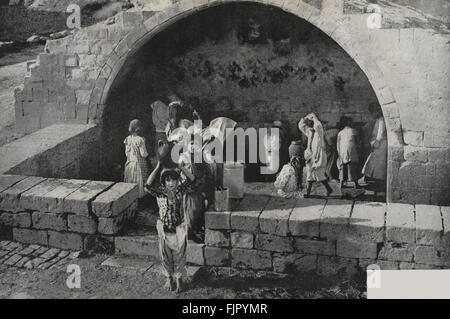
445, 211
335, 219
217, 238
217, 256
9, 198
432, 256
247, 213
7, 181
305, 218
367, 221
53, 201
383, 264
30, 236
217, 220
137, 245
273, 243
115, 200
195, 253
251, 258
294, 263
99, 244
242, 240
70, 241
30, 199
397, 252
274, 219
400, 223
315, 247
428, 225
111, 226
78, 201
81, 224
356, 249
332, 265
12, 260
20, 220
52, 221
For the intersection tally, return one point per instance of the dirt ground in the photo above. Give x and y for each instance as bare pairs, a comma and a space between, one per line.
13, 68
100, 282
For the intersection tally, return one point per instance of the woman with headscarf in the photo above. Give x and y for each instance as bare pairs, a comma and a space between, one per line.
315, 153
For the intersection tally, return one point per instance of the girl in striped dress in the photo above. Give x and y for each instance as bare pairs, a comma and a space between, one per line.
136, 167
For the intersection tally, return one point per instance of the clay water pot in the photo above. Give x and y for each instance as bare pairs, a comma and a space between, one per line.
296, 148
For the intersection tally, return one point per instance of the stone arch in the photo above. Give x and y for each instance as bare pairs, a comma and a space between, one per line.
329, 19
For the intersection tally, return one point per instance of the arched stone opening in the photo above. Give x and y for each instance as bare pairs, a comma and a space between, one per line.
207, 59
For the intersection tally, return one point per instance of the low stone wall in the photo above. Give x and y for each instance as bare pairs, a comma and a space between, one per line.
61, 150
326, 236
63, 213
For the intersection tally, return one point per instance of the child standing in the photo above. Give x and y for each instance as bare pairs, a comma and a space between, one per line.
136, 167
348, 155
171, 225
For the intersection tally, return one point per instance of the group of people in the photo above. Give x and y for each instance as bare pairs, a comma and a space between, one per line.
184, 190
314, 158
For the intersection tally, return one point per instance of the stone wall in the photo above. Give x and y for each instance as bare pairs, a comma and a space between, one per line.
63, 213
329, 237
60, 151
406, 66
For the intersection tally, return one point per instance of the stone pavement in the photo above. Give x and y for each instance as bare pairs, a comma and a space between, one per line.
15, 254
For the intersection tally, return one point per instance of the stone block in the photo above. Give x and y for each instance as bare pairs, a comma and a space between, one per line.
195, 253
445, 211
413, 138
333, 265
367, 221
273, 243
356, 249
52, 221
82, 224
30, 236
397, 252
305, 217
31, 199
432, 256
217, 256
70, 241
115, 200
111, 226
428, 225
275, 216
251, 259
242, 240
400, 223
53, 201
335, 220
217, 220
9, 198
99, 244
137, 245
294, 263
20, 219
415, 154
315, 247
217, 238
383, 264
79, 201
247, 213
7, 181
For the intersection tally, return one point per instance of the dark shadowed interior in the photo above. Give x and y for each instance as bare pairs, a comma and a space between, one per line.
249, 62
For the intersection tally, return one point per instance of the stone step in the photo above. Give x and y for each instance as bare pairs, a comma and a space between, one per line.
138, 245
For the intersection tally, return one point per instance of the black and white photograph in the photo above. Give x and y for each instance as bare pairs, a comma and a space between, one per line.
224, 150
